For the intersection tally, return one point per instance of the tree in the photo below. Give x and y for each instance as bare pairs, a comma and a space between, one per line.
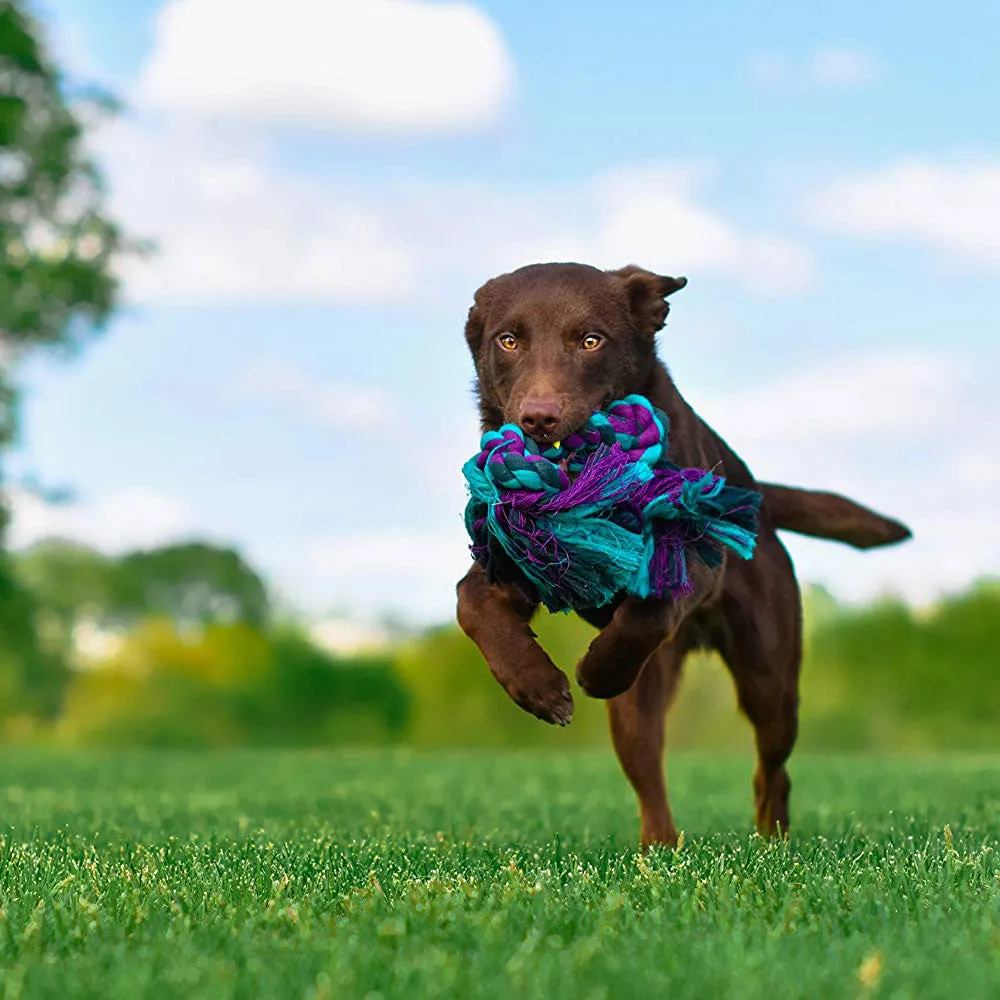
189, 584
314, 697
909, 679
193, 583
68, 579
58, 247
57, 252
57, 281
33, 676
231, 685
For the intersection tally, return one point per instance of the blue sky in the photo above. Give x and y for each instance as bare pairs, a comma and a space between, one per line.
328, 188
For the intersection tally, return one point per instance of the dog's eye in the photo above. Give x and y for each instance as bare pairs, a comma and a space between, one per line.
592, 341
507, 341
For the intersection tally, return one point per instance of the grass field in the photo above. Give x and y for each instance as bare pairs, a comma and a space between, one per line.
391, 875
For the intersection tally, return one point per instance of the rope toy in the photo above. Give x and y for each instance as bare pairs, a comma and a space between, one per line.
602, 513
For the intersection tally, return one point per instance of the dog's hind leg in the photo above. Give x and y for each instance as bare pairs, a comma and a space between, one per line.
761, 643
638, 723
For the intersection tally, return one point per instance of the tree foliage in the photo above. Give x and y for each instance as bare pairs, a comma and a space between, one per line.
58, 247
190, 584
897, 678
194, 583
57, 280
231, 685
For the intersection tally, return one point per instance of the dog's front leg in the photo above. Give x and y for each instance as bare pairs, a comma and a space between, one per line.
496, 619
620, 650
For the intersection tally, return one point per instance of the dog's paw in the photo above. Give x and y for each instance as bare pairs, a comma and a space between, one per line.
543, 693
605, 672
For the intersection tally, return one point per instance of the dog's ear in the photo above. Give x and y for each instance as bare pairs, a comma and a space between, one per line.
646, 294
475, 323
474, 329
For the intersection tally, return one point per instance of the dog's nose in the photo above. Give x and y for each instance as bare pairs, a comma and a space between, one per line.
540, 416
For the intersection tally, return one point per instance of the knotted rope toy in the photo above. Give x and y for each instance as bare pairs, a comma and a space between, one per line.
602, 513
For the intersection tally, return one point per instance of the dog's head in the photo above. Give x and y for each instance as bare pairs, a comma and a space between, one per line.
552, 343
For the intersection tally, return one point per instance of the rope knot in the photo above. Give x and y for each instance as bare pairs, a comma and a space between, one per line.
626, 522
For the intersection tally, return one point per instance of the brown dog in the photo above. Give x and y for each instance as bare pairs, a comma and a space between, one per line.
552, 343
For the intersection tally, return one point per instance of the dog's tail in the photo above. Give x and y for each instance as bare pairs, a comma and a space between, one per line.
828, 515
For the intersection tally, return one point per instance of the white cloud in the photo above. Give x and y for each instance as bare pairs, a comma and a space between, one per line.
951, 208
978, 465
827, 69
353, 407
383, 65
947, 552
843, 68
229, 226
654, 217
113, 523
233, 227
888, 394
910, 433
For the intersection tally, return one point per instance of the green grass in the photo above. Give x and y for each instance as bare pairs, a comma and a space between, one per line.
395, 875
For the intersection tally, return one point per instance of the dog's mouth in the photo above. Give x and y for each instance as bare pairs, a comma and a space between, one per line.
553, 439
574, 425
556, 437
547, 440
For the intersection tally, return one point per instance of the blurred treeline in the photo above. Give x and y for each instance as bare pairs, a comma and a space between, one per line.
180, 646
